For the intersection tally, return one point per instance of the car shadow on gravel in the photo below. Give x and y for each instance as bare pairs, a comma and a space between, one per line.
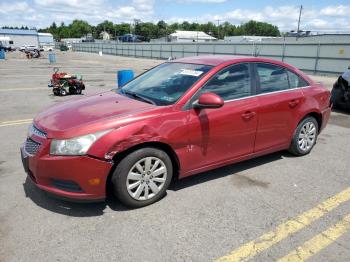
74, 209
53, 204
228, 170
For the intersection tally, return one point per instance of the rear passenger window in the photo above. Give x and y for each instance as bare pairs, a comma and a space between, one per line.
231, 83
272, 78
296, 81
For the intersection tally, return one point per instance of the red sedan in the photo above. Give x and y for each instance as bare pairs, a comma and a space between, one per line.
177, 119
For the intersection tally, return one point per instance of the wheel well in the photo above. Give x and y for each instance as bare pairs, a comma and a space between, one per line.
159, 145
318, 118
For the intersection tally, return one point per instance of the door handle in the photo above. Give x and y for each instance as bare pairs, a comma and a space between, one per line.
248, 115
293, 103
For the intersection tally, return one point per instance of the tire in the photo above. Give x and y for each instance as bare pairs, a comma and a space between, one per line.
72, 90
78, 91
305, 137
131, 180
63, 92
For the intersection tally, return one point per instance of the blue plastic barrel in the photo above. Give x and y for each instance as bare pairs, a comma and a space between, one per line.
124, 76
2, 54
52, 58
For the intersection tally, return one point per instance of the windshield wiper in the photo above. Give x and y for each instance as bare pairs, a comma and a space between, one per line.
137, 96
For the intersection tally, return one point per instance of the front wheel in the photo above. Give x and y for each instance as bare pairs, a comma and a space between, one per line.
63, 92
305, 137
142, 177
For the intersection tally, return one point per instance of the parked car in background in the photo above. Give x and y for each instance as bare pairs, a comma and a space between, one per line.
6, 48
341, 91
180, 118
132, 38
28, 48
48, 48
2, 47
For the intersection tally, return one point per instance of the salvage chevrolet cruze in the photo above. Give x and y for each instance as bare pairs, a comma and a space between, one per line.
175, 120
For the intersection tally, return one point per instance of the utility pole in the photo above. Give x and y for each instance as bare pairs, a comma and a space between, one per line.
301, 9
218, 20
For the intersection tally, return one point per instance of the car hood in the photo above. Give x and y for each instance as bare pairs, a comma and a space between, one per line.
88, 115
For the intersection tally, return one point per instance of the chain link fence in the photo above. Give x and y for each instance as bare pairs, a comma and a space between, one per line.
317, 58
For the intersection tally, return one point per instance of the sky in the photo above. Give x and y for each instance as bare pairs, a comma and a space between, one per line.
318, 15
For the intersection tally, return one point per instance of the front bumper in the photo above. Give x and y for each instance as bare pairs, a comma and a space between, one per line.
69, 177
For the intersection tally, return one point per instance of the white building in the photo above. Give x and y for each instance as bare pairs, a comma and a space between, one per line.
190, 36
46, 41
249, 38
20, 37
71, 40
105, 35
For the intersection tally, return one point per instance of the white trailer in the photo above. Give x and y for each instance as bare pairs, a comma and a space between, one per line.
20, 37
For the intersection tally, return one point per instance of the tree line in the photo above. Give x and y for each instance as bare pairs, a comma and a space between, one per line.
148, 30
80, 28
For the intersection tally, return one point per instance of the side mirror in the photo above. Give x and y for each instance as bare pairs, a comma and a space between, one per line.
208, 100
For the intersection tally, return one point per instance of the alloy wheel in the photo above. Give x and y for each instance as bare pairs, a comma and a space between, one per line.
146, 178
307, 136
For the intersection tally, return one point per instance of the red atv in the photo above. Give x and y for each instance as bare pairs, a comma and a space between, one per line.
63, 84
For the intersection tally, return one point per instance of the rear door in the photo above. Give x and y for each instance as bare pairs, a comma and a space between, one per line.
279, 102
228, 132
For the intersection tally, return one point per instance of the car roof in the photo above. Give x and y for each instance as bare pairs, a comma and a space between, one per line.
215, 60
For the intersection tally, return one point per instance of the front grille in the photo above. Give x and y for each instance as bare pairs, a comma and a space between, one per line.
37, 132
31, 147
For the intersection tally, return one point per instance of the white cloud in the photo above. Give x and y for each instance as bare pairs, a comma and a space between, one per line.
202, 1
340, 10
93, 11
15, 7
68, 3
285, 17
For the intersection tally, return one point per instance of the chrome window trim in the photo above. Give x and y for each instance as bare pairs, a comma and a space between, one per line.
274, 92
257, 95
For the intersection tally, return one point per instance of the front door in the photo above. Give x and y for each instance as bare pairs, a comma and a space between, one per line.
221, 134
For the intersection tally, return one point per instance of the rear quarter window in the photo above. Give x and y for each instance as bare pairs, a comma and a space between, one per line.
296, 81
272, 78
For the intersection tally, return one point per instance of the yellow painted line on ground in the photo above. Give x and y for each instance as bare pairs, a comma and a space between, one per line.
285, 229
15, 122
319, 242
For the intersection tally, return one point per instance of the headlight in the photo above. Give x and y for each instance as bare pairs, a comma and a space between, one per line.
75, 146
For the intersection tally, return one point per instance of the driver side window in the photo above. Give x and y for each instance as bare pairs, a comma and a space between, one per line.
230, 83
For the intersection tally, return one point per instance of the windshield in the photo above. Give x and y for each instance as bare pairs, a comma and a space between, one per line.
164, 84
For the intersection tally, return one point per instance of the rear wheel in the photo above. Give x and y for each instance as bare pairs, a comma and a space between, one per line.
305, 137
78, 90
142, 177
